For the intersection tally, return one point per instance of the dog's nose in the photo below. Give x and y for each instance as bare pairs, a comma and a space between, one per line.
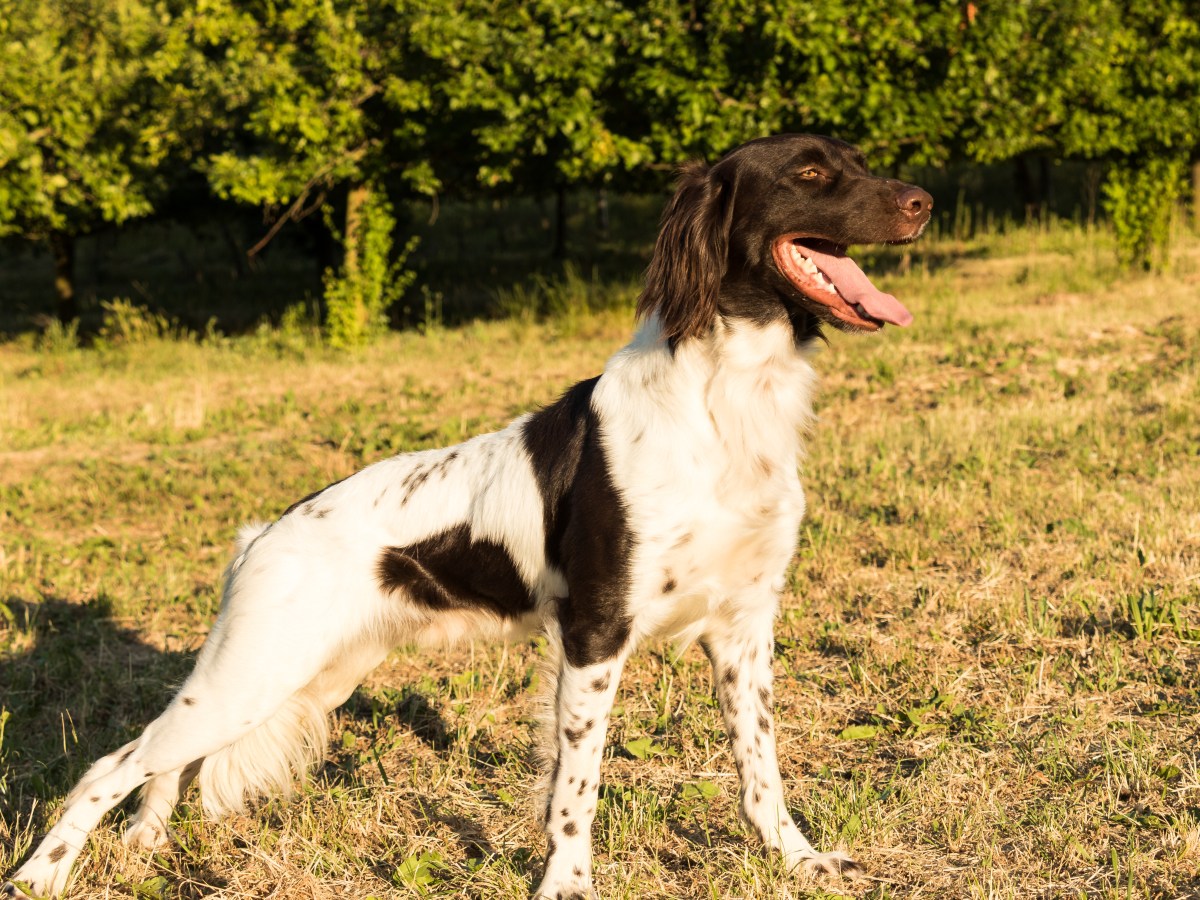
914, 202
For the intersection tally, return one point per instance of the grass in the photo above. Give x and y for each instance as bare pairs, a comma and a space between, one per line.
989, 659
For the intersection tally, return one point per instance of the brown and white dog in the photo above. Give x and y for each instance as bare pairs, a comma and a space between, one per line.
660, 498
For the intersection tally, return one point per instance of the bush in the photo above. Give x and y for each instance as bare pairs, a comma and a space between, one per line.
125, 323
1139, 197
357, 298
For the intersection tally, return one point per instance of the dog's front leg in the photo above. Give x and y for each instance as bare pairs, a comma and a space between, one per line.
582, 705
741, 650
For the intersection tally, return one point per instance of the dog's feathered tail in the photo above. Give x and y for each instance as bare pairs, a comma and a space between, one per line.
545, 741
267, 761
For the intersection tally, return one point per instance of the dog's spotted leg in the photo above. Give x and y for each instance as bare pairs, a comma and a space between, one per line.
741, 652
148, 828
108, 782
585, 698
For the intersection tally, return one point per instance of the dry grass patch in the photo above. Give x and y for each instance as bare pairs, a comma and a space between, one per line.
987, 664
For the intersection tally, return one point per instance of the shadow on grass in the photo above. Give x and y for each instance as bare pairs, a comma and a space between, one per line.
706, 837
471, 836
84, 685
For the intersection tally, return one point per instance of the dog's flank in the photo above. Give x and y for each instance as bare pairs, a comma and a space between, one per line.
659, 499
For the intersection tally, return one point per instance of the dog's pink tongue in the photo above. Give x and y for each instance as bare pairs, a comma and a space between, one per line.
853, 284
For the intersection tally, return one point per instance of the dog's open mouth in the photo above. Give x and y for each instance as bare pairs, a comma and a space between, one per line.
823, 272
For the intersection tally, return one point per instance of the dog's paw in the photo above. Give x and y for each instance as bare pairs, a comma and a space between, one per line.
145, 835
40, 878
571, 890
10, 891
833, 863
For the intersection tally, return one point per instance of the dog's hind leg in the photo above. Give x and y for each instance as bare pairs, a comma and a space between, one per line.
245, 710
106, 783
185, 733
149, 826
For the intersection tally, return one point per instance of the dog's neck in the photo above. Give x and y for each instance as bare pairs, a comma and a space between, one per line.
760, 386
750, 381
760, 307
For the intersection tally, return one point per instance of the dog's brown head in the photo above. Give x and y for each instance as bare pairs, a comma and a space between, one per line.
762, 234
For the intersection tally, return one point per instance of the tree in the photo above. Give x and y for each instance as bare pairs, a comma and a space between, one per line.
1089, 79
320, 106
530, 90
86, 136
708, 76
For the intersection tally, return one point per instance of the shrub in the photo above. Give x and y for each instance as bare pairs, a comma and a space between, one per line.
1139, 197
358, 296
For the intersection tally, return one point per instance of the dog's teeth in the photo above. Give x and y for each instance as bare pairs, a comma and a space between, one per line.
805, 264
810, 268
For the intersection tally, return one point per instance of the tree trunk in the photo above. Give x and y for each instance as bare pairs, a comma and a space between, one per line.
356, 199
62, 247
1093, 178
237, 255
560, 222
1033, 186
1047, 186
324, 246
602, 213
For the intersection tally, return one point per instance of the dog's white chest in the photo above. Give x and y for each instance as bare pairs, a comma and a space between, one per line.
706, 459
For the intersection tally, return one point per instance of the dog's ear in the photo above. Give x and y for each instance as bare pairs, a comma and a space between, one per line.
684, 277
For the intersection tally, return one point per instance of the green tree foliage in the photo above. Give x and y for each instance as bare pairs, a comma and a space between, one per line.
86, 132
317, 92
320, 107
535, 81
347, 106
1092, 79
711, 75
1140, 200
1151, 115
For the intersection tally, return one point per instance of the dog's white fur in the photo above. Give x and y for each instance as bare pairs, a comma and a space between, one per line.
711, 493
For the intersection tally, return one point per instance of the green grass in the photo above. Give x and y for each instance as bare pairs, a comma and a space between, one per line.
989, 661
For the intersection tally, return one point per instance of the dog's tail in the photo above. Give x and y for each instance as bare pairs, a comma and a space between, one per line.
268, 760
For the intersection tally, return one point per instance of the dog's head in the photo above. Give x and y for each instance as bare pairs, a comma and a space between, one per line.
763, 233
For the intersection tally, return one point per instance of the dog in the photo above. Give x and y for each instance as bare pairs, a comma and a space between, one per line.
658, 499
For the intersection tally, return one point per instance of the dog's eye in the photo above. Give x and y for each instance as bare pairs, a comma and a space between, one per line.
809, 172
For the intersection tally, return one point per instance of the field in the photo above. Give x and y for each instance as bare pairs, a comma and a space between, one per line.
988, 663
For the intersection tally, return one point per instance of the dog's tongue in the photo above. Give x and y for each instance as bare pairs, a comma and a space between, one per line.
855, 287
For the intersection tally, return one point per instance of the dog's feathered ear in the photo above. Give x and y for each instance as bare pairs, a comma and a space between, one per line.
684, 277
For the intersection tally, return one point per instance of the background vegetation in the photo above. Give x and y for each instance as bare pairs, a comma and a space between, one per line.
343, 124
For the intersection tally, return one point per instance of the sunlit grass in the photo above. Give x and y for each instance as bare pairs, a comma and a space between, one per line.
987, 663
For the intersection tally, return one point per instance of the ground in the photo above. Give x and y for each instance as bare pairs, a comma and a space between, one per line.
988, 663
